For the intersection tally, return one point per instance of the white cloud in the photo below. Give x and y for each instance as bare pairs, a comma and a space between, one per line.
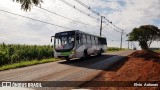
125, 14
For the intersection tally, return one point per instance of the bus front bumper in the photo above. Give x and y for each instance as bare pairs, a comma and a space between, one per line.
64, 55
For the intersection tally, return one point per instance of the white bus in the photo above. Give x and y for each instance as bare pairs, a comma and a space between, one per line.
77, 44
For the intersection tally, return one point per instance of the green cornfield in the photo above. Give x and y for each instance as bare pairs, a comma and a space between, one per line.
14, 53
110, 49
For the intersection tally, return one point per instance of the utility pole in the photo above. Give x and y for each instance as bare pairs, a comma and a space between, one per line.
101, 26
121, 40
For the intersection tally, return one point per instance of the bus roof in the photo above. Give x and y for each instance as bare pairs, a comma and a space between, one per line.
83, 33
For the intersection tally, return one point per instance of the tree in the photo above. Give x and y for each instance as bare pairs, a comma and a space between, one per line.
145, 35
27, 4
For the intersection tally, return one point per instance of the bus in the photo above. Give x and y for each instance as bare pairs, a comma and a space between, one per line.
77, 44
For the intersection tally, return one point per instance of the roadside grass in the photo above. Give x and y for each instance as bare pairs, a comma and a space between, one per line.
26, 63
34, 62
115, 49
158, 51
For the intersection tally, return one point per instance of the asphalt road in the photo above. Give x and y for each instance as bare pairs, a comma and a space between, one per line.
74, 70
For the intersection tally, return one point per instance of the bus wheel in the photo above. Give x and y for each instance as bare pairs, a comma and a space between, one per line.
68, 59
100, 53
85, 55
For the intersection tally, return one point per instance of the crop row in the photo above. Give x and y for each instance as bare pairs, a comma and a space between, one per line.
115, 49
10, 53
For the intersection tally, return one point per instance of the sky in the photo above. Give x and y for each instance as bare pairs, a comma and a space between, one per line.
125, 14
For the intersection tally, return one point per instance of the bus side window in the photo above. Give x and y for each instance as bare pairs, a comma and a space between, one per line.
88, 39
78, 38
83, 38
102, 41
96, 40
93, 41
99, 41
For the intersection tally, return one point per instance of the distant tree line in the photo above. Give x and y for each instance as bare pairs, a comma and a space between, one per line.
10, 53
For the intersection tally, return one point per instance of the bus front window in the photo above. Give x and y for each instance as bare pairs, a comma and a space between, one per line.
64, 43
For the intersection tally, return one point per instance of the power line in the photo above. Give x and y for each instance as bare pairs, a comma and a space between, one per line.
112, 28
119, 29
109, 38
87, 7
110, 34
115, 27
97, 13
73, 6
105, 31
117, 40
105, 36
35, 19
65, 17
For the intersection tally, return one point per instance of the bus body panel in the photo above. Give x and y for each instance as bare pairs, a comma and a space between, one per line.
93, 45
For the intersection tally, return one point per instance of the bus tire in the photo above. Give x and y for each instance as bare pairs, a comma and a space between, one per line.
68, 59
85, 55
100, 52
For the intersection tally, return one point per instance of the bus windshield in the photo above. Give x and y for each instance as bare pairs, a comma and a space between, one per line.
63, 43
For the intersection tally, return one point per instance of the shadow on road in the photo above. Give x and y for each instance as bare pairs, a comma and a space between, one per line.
117, 65
88, 63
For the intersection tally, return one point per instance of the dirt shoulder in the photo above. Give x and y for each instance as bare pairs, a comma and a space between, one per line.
139, 66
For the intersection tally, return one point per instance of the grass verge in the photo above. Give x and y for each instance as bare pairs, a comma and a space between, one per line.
158, 51
34, 62
115, 49
26, 63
